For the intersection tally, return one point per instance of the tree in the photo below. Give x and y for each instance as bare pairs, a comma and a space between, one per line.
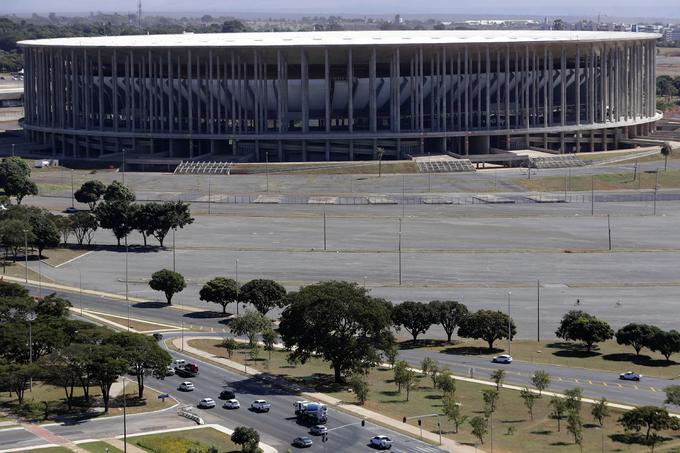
580, 326
391, 352
254, 352
57, 369
498, 377
600, 411
636, 335
16, 377
10, 289
84, 224
117, 216
650, 418
666, 151
250, 324
64, 225
399, 369
541, 380
90, 193
449, 315
487, 325
45, 232
14, 178
559, 408
479, 427
221, 291
248, 438
447, 384
529, 398
52, 306
430, 365
451, 408
666, 343
117, 192
145, 220
107, 364
269, 337
572, 399
142, 355
262, 294
338, 321
230, 345
167, 281
359, 386
166, 216
414, 317
575, 427
14, 233
490, 398
411, 381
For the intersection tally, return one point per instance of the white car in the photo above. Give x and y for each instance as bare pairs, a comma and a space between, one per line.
206, 403
630, 376
231, 404
381, 442
187, 386
503, 358
260, 406
169, 371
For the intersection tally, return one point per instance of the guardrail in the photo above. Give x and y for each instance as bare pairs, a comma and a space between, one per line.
185, 411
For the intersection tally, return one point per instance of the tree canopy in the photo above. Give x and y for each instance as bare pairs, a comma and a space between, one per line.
90, 193
15, 178
221, 291
414, 317
636, 335
487, 325
263, 294
449, 314
167, 281
577, 325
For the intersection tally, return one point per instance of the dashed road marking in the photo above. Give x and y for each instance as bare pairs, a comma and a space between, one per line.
590, 382
576, 380
636, 387
620, 386
605, 384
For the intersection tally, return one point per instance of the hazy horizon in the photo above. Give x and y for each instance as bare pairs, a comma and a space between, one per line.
660, 9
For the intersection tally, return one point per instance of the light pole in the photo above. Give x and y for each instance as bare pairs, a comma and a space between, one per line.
266, 168
538, 310
656, 189
124, 417
80, 282
399, 250
124, 162
72, 193
26, 254
39, 278
127, 299
324, 227
30, 317
403, 194
509, 324
174, 229
209, 190
237, 288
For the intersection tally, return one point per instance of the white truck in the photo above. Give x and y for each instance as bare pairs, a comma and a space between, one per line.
311, 412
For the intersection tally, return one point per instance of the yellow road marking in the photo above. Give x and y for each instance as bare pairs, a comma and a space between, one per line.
620, 386
590, 382
652, 389
576, 380
605, 384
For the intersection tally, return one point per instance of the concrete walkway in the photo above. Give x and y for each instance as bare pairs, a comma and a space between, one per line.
52, 438
358, 411
118, 443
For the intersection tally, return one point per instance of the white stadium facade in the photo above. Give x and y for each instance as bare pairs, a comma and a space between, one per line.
320, 96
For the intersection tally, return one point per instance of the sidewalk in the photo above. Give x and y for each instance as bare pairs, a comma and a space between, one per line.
118, 443
51, 438
361, 412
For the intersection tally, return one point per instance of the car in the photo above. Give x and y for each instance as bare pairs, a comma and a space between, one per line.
318, 430
158, 336
381, 442
227, 395
302, 441
231, 404
260, 406
630, 376
503, 358
70, 210
206, 403
187, 386
169, 371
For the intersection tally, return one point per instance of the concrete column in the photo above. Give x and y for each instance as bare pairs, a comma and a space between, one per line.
304, 71
372, 109
350, 89
327, 92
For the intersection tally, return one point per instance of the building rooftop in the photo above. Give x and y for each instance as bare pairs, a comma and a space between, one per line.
341, 38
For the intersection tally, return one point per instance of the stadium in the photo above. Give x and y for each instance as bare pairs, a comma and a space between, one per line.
335, 96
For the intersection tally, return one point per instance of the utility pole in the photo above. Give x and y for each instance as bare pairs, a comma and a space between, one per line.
324, 227
237, 287
609, 231
538, 310
72, 192
399, 250
209, 188
26, 254
124, 164
174, 229
592, 195
509, 324
403, 194
127, 299
266, 168
124, 417
656, 189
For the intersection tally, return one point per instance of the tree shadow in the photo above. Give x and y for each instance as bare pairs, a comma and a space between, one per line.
643, 360
208, 314
132, 248
573, 350
150, 305
433, 397
470, 350
638, 438
424, 343
561, 444
544, 432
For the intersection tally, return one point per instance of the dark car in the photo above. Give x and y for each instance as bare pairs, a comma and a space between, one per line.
303, 442
158, 336
227, 395
70, 210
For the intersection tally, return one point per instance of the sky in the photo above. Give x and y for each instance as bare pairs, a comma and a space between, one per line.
579, 8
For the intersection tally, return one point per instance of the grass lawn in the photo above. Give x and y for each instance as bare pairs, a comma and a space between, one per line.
149, 403
18, 270
608, 356
99, 447
513, 429
181, 441
55, 257
332, 168
611, 181
140, 326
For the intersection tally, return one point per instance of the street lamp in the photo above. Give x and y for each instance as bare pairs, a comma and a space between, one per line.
237, 288
174, 229
124, 417
30, 317
509, 324
124, 162
26, 253
80, 283
127, 299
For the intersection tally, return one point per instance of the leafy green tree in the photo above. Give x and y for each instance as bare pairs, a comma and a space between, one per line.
666, 343
230, 345
672, 395
221, 291
90, 193
359, 386
449, 315
168, 282
164, 217
636, 335
480, 426
541, 380
451, 408
16, 377
117, 216
108, 362
338, 321
411, 381
269, 337
117, 192
428, 365
145, 220
10, 289
490, 398
64, 225
391, 352
15, 178
45, 232
262, 294
498, 376
250, 324
52, 306
254, 352
84, 224
600, 411
247, 437
414, 317
666, 151
580, 326
559, 409
399, 369
487, 325
529, 398
575, 427
572, 399
142, 355
650, 418
14, 233
57, 369
447, 384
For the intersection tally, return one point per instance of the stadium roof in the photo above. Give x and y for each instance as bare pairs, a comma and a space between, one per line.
341, 38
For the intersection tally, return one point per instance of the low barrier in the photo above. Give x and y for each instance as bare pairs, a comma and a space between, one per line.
185, 411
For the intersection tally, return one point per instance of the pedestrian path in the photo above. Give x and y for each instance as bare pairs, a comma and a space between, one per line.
118, 443
52, 438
